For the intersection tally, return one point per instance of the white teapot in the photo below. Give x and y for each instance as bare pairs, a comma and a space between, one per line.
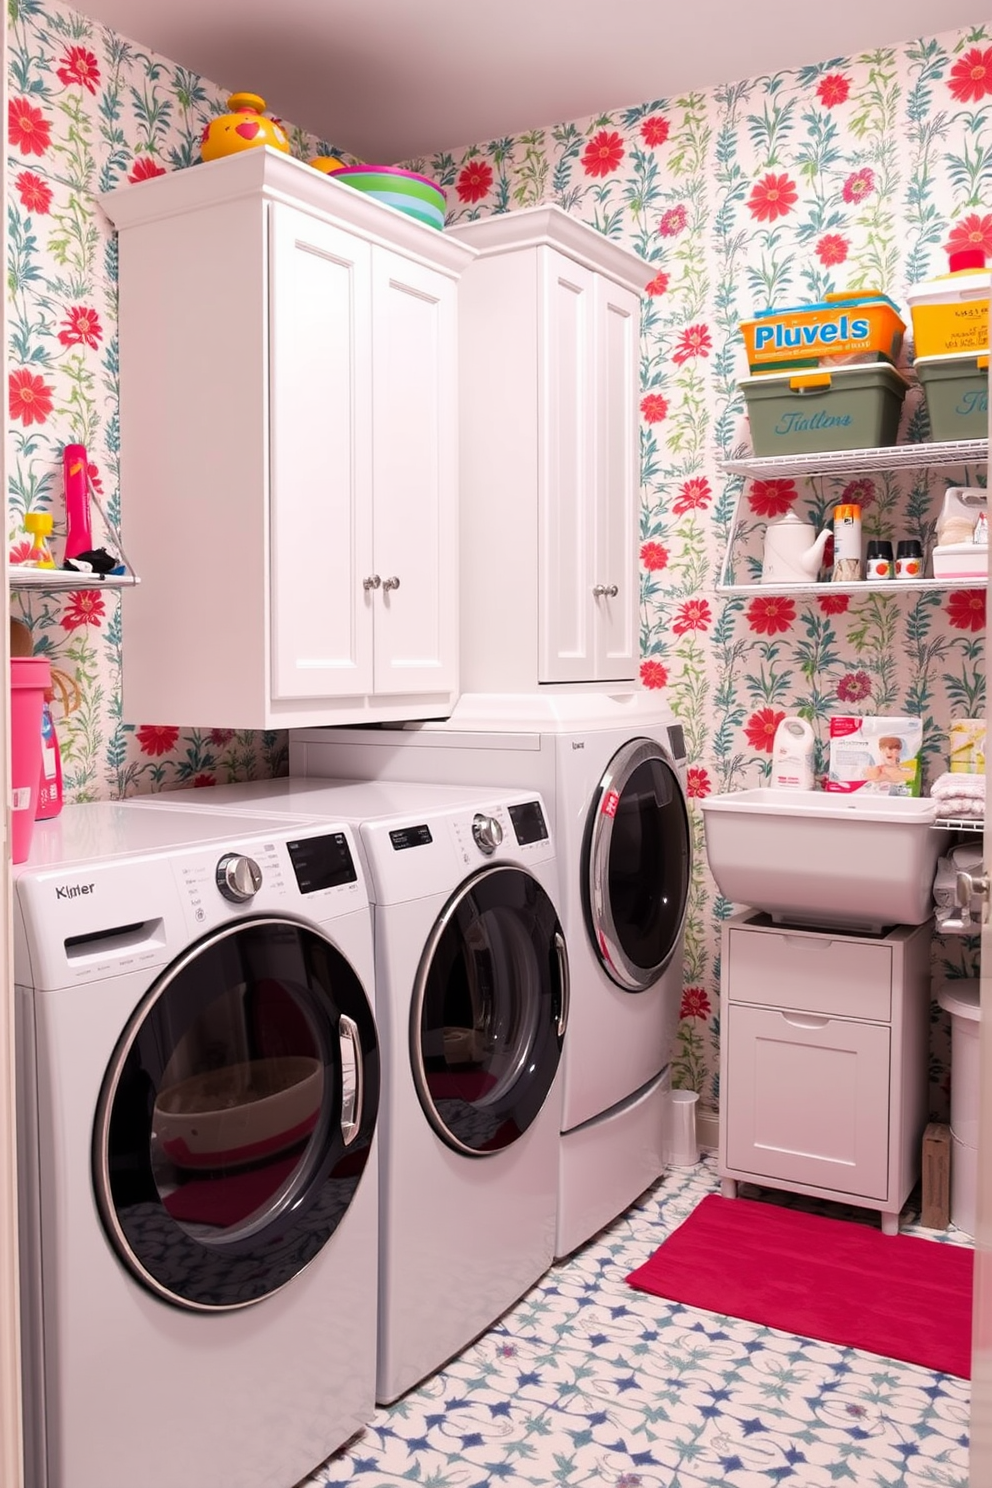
793, 552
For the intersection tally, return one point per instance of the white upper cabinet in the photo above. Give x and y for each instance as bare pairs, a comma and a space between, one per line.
549, 362
288, 449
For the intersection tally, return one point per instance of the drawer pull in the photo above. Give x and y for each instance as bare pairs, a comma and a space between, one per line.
808, 1020
819, 944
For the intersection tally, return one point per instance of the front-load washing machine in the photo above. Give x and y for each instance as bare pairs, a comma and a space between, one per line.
616, 793
198, 1086
472, 999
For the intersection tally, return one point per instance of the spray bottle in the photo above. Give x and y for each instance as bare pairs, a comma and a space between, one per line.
75, 476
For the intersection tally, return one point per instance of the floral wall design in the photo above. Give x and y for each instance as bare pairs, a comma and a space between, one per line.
858, 172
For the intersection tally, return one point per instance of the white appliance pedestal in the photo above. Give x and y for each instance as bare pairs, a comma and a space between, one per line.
823, 1061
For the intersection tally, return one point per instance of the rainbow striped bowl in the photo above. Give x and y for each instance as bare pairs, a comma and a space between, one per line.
410, 193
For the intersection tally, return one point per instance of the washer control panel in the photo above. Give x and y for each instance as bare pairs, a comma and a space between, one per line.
238, 877
487, 832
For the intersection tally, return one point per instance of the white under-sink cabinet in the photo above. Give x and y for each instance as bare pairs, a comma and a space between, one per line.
288, 449
823, 1061
549, 322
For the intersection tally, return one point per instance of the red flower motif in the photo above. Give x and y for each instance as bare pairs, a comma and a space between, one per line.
697, 782
603, 153
200, 780
771, 498
93, 471
971, 232
672, 222
760, 728
84, 607
860, 492
654, 407
654, 557
474, 181
831, 249
81, 326
694, 494
145, 167
833, 604
971, 76
655, 131
653, 674
27, 127
854, 687
34, 194
30, 398
157, 738
833, 89
220, 737
771, 614
774, 196
966, 609
21, 551
79, 66
658, 285
694, 341
859, 185
695, 1003
693, 615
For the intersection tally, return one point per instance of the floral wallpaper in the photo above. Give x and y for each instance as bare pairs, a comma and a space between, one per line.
856, 173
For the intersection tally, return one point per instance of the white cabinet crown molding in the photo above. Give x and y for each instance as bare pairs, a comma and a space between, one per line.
552, 227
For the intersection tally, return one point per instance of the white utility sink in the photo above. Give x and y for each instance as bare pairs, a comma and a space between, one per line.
819, 858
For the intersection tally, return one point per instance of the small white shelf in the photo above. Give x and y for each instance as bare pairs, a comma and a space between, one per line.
53, 579
951, 452
959, 823
855, 586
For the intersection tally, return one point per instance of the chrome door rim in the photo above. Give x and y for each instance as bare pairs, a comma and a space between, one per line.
602, 925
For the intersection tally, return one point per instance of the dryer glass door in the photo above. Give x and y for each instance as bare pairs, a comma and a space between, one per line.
489, 1011
637, 864
236, 1115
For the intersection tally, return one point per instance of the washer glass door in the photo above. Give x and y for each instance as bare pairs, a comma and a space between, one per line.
236, 1115
638, 856
489, 1011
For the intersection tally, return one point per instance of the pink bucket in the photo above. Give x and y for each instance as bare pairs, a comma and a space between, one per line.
30, 676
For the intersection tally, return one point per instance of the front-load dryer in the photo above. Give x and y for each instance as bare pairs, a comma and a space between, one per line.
472, 1000
616, 793
198, 1086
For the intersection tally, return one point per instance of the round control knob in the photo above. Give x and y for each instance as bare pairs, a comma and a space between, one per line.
238, 878
487, 832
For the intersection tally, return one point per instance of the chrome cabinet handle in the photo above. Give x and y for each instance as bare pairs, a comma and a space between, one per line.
564, 983
967, 887
392, 583
372, 582
605, 591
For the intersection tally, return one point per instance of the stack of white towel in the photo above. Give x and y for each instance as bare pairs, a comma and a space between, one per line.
959, 795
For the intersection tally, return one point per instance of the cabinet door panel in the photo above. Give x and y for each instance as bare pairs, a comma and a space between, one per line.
618, 480
807, 1099
415, 534
811, 972
567, 469
320, 387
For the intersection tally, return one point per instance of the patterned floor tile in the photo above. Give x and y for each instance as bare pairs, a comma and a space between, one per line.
588, 1382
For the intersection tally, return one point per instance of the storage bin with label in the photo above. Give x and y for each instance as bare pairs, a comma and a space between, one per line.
841, 329
832, 408
957, 394
951, 313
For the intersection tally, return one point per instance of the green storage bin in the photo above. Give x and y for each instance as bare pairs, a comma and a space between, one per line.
832, 408
957, 394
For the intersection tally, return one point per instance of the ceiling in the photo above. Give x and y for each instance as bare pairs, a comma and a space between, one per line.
392, 79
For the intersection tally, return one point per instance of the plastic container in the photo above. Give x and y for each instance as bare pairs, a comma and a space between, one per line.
30, 678
961, 999
683, 1146
837, 408
957, 394
792, 755
50, 777
75, 481
951, 313
960, 561
842, 328
810, 858
417, 196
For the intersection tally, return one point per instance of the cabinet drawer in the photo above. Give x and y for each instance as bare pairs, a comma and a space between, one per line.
806, 1100
809, 972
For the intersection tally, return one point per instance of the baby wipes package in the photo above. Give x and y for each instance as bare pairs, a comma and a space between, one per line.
879, 755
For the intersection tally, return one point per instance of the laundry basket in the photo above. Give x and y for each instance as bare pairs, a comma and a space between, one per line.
960, 998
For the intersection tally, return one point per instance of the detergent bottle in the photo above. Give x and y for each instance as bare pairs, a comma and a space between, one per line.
792, 755
50, 784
